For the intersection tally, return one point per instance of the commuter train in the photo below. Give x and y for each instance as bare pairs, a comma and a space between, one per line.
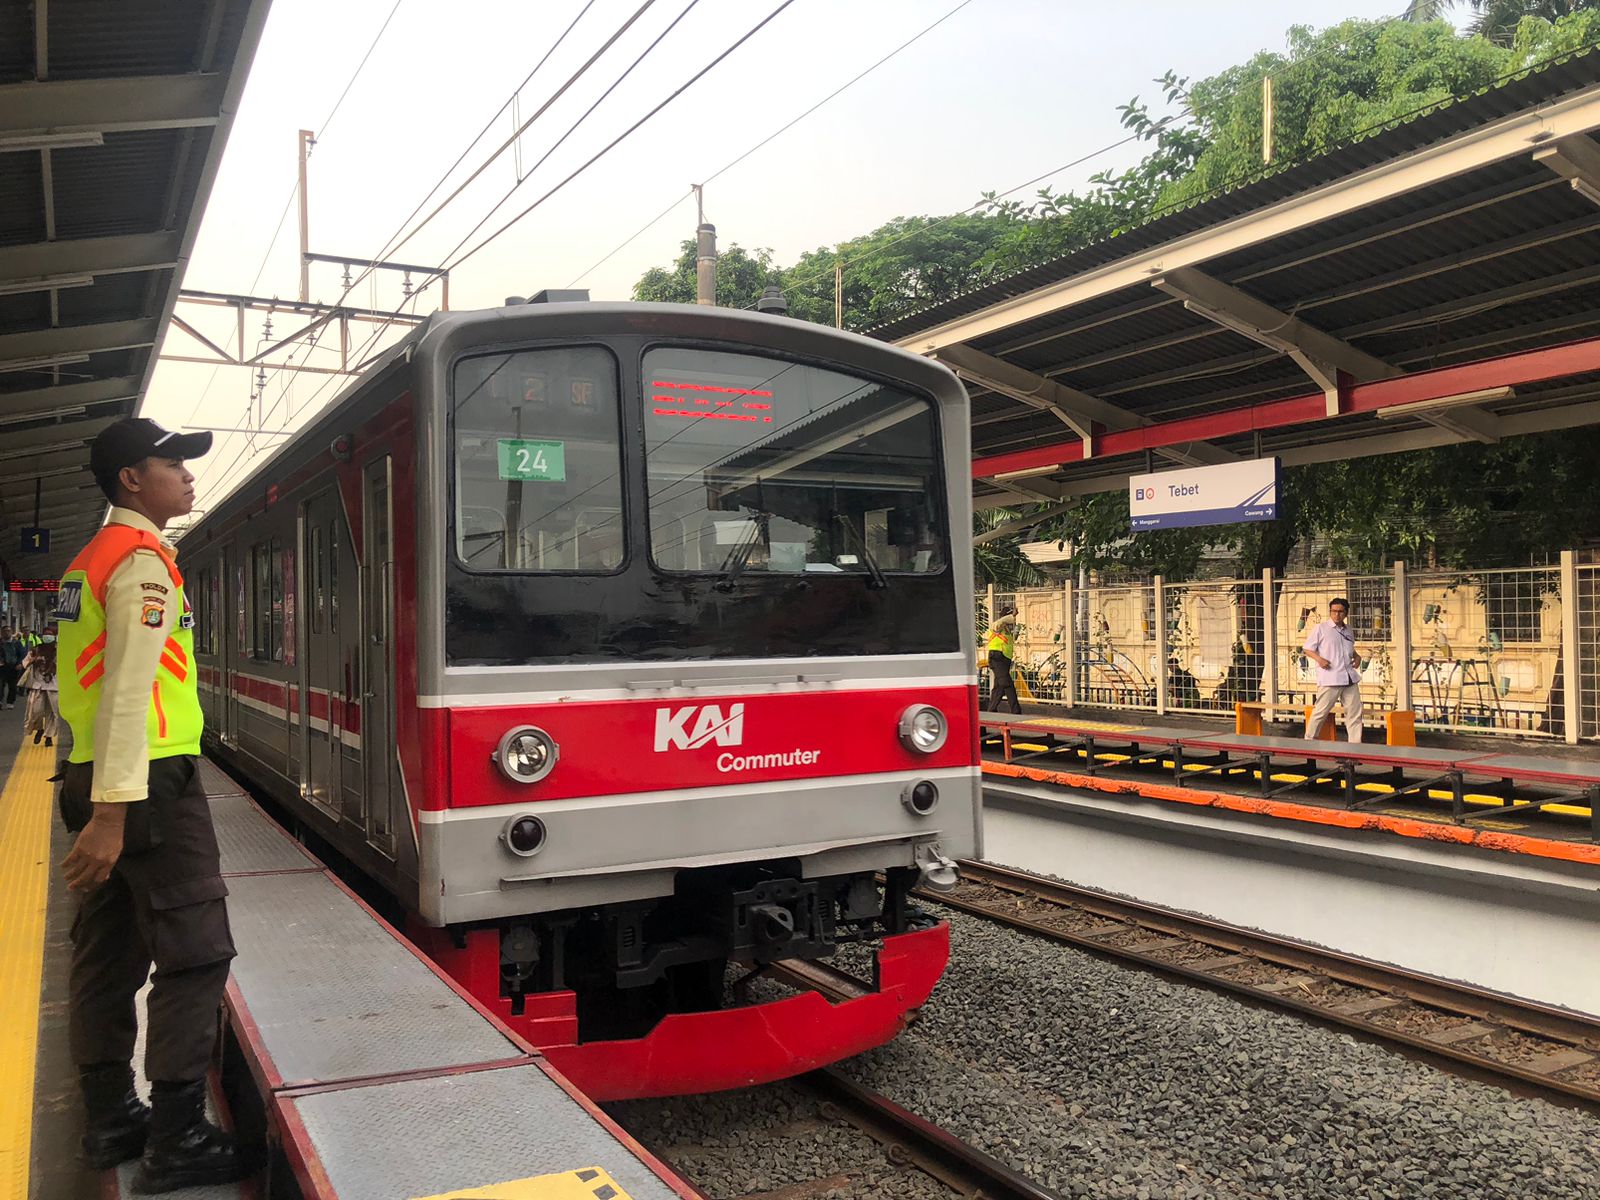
627, 647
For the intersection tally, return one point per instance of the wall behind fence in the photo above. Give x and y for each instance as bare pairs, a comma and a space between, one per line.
1506, 652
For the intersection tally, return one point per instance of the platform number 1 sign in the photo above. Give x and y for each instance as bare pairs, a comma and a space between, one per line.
534, 462
35, 540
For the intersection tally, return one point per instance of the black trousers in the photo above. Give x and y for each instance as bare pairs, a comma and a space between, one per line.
8, 684
1001, 684
162, 907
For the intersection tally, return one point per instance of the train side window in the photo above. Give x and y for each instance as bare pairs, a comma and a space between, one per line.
266, 570
333, 576
538, 462
318, 578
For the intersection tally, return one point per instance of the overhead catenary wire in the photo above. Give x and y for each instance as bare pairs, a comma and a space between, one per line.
289, 201
628, 132
573, 128
390, 245
782, 129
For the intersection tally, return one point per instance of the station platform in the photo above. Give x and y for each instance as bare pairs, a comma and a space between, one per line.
351, 1066
1474, 862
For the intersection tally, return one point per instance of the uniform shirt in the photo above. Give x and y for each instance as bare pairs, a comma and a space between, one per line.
1337, 644
133, 652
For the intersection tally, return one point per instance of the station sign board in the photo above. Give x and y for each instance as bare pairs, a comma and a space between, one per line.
1217, 495
35, 540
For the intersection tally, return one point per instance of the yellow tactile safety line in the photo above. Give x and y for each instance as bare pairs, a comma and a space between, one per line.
25, 808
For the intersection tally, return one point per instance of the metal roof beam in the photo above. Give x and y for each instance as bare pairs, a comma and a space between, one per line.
1320, 355
67, 106
75, 339
1577, 160
1079, 411
1510, 370
43, 402
90, 256
1478, 147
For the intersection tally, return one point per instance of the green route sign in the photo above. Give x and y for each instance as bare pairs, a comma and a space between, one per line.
533, 462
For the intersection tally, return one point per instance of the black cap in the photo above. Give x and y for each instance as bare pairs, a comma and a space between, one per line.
134, 439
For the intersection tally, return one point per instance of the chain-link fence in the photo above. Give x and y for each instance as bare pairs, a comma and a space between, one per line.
1467, 651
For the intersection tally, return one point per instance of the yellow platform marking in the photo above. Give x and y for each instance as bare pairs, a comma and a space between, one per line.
586, 1183
1092, 726
25, 808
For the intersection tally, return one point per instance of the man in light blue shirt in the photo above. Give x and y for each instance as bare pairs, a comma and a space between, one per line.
1332, 646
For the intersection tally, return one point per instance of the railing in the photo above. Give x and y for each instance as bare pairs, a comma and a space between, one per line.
1489, 652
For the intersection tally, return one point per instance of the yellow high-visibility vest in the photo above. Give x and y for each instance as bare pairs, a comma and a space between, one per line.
175, 720
1003, 640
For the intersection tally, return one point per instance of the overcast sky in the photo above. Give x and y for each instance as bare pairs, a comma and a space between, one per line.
1000, 92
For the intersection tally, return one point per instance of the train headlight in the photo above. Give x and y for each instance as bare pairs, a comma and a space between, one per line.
923, 728
527, 754
523, 835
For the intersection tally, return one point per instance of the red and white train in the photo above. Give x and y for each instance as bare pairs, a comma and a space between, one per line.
619, 643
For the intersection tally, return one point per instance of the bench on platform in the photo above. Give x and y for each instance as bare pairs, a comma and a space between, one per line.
1249, 716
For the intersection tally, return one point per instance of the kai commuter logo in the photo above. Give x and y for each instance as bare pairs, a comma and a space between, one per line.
697, 725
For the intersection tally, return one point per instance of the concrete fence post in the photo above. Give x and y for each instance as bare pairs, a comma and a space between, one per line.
1400, 635
1269, 639
1069, 646
1161, 645
1572, 715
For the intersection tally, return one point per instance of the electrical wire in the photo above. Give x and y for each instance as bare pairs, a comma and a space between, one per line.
573, 128
782, 129
625, 134
289, 202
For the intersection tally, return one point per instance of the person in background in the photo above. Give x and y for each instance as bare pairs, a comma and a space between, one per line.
39, 670
1002, 643
1332, 647
11, 653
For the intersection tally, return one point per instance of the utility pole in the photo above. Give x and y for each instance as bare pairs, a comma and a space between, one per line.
705, 263
307, 140
838, 292
1266, 120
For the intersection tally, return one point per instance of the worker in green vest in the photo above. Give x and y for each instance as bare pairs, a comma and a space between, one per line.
1002, 643
146, 856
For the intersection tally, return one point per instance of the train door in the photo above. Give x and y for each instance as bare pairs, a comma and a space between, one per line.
230, 637
383, 793
321, 694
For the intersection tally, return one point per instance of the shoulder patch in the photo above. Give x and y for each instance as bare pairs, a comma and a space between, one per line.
154, 587
69, 601
154, 613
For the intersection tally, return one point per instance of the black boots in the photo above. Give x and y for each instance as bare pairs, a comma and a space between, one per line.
118, 1120
185, 1149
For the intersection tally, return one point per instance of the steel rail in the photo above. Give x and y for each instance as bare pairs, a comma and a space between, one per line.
909, 1140
1572, 1040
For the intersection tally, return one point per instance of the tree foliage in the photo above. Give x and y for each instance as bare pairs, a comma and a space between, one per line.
1453, 505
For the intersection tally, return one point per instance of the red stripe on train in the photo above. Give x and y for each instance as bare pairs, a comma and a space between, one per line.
623, 746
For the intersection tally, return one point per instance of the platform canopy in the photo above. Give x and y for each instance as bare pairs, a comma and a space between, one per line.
1432, 282
113, 118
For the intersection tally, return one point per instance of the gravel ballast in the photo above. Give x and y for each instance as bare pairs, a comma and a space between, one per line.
1101, 1080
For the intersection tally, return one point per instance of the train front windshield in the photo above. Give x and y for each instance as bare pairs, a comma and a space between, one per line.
787, 509
759, 465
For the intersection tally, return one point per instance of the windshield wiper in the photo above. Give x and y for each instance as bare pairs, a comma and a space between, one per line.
733, 566
875, 573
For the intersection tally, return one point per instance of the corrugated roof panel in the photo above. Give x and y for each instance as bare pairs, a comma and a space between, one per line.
113, 298
16, 43
21, 200
92, 39
1407, 135
120, 187
24, 312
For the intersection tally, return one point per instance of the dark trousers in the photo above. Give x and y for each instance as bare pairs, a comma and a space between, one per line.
162, 907
8, 684
1001, 684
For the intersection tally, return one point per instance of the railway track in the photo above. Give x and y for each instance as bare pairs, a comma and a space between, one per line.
1529, 1046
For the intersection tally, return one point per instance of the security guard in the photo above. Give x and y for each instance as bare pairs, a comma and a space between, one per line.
145, 855
1002, 652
